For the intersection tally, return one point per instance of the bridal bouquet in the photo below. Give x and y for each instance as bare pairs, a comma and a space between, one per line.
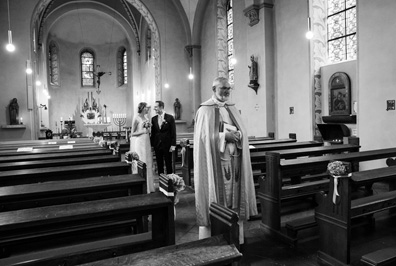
147, 124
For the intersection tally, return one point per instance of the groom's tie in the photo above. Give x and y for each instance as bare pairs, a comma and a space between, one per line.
159, 121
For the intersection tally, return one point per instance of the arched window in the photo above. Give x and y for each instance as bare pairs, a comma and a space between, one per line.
341, 30
230, 41
122, 66
53, 63
87, 68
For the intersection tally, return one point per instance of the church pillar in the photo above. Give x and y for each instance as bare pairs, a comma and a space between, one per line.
194, 52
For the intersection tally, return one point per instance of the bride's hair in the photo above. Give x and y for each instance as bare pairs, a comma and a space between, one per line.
141, 107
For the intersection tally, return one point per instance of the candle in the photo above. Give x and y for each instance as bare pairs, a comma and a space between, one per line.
108, 119
61, 119
21, 120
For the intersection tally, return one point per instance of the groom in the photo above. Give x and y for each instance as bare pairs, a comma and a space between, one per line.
163, 137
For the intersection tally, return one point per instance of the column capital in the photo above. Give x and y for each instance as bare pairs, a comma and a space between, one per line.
252, 12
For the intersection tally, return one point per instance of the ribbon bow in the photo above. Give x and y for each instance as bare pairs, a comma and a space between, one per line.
335, 191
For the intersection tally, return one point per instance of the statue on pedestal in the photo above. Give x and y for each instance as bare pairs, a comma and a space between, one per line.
253, 74
177, 107
13, 109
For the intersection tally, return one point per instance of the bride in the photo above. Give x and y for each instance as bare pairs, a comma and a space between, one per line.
140, 142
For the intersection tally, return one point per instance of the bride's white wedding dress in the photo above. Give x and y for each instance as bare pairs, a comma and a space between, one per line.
141, 145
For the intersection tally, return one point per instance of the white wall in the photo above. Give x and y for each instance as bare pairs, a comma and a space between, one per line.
376, 74
292, 70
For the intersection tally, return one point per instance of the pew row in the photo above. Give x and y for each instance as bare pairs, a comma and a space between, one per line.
58, 162
44, 142
62, 149
28, 176
84, 231
219, 249
308, 176
64, 155
69, 191
335, 220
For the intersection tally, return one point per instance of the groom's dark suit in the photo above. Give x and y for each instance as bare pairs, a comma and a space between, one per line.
162, 138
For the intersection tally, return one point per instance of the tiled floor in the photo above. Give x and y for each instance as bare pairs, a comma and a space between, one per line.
259, 249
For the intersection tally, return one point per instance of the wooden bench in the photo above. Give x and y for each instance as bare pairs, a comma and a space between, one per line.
101, 228
46, 146
58, 162
68, 148
70, 191
46, 156
382, 257
43, 142
300, 170
220, 249
335, 219
28, 176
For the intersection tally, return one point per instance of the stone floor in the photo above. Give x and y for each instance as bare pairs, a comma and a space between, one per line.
260, 249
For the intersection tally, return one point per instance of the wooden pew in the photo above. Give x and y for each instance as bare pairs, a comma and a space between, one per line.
43, 142
101, 228
64, 155
335, 220
311, 169
258, 145
58, 162
70, 148
47, 146
219, 249
28, 176
70, 191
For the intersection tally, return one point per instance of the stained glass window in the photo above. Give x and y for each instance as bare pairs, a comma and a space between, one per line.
122, 66
230, 41
53, 63
341, 30
87, 68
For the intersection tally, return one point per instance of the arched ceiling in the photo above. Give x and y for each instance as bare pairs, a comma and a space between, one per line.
123, 9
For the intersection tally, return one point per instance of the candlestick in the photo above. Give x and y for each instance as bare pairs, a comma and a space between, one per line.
119, 121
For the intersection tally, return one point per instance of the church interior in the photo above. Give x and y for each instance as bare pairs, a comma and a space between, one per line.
300, 71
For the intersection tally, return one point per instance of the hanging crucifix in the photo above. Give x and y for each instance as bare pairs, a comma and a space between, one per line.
98, 74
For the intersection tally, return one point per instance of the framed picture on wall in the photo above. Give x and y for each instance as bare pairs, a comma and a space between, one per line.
339, 94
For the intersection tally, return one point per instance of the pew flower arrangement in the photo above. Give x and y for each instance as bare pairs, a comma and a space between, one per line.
183, 145
132, 157
337, 169
178, 185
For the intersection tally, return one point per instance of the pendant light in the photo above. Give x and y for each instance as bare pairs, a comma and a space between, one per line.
10, 47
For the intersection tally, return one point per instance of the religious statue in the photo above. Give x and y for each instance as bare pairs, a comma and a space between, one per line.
86, 106
13, 109
177, 107
253, 74
94, 105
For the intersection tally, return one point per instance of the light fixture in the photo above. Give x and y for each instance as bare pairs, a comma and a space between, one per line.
166, 85
191, 75
10, 47
309, 35
233, 60
29, 69
38, 82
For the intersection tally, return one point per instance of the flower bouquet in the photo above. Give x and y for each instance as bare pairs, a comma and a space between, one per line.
338, 169
132, 157
178, 185
147, 124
